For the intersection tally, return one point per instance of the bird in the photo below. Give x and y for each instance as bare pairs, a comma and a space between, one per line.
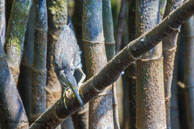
66, 61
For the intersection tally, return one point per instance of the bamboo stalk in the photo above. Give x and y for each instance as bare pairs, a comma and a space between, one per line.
100, 109
12, 111
15, 34
133, 51
8, 9
189, 71
2, 27
2, 21
25, 77
174, 109
120, 23
150, 104
169, 52
110, 52
131, 70
39, 62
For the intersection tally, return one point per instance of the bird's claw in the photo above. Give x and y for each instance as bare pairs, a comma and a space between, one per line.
65, 103
63, 97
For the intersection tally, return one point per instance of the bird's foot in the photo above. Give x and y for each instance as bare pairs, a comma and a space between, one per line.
63, 97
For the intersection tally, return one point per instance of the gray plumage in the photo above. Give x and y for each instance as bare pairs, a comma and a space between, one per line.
66, 60
67, 46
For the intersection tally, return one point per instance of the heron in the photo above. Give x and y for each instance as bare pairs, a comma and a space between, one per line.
67, 60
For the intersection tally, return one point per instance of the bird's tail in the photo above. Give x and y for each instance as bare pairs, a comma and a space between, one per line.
77, 96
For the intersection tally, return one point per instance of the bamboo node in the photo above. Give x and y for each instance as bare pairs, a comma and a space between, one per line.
104, 94
174, 29
151, 59
97, 90
93, 42
132, 56
41, 29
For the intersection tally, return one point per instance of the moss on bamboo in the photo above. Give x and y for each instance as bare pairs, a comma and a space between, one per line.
58, 9
16, 32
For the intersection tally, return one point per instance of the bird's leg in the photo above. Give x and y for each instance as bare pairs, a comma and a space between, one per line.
83, 77
63, 96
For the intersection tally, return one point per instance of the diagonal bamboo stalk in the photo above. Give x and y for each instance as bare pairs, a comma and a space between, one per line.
133, 51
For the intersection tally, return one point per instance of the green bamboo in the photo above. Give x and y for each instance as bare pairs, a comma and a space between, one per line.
162, 7
39, 62
120, 23
110, 52
133, 51
189, 71
100, 109
150, 104
25, 77
15, 34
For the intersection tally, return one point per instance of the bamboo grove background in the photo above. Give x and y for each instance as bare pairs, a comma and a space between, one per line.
156, 91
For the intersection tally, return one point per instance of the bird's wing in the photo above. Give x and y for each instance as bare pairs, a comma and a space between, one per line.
67, 45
